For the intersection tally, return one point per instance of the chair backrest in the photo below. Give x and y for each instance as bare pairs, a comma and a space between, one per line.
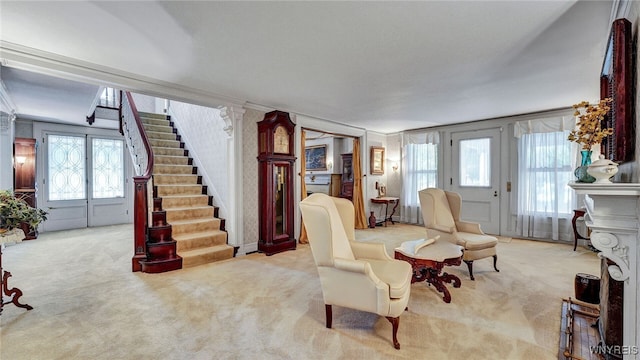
347, 215
326, 233
455, 203
436, 212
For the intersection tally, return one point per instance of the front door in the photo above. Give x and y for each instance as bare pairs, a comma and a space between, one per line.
475, 176
84, 181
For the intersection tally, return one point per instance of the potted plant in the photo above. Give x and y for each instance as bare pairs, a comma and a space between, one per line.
16, 213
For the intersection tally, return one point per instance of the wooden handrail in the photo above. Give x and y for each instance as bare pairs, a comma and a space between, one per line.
145, 139
142, 155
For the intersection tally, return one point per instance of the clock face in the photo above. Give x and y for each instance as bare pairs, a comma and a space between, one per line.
281, 141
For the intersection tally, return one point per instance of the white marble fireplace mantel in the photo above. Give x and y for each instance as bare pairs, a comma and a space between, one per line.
613, 215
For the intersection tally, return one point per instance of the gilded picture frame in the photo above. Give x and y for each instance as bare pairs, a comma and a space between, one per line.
315, 158
377, 160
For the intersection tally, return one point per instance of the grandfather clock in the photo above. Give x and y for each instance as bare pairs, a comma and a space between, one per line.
275, 168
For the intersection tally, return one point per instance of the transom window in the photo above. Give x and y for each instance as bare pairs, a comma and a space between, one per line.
475, 162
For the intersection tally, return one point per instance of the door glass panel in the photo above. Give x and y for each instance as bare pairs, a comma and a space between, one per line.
280, 200
108, 168
475, 162
66, 167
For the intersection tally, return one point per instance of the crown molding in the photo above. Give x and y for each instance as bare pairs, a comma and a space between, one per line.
253, 106
34, 60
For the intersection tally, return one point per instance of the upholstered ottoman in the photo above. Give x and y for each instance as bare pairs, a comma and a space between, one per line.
428, 258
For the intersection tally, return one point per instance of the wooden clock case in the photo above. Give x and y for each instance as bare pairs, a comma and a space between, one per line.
276, 183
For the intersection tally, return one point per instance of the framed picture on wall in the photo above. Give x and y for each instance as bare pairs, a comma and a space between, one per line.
377, 160
315, 158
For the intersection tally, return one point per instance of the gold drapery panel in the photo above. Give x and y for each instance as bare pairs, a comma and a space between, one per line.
303, 184
358, 201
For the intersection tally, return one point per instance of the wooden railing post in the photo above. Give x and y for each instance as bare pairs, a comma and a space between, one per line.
142, 155
139, 222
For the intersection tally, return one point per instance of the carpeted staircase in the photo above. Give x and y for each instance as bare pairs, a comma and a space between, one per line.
199, 233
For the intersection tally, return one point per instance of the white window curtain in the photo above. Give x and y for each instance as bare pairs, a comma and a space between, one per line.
419, 171
546, 160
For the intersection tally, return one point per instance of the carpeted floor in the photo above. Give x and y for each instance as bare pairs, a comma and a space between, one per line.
89, 305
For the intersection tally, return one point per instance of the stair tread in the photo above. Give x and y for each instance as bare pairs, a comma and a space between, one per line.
171, 156
173, 185
196, 235
190, 175
184, 196
205, 250
184, 208
193, 221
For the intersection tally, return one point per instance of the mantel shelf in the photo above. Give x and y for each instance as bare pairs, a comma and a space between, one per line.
627, 189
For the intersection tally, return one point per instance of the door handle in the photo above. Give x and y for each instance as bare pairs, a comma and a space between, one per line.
495, 193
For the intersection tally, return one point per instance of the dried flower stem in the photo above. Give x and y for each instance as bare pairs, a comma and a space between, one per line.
589, 128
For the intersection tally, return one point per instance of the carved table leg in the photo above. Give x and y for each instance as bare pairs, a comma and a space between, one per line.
438, 280
393, 211
576, 235
17, 293
449, 278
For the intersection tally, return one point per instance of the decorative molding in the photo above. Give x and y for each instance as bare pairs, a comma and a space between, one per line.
261, 108
613, 215
31, 59
5, 99
322, 125
231, 114
4, 124
610, 248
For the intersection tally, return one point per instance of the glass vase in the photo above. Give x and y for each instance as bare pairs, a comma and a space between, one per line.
581, 171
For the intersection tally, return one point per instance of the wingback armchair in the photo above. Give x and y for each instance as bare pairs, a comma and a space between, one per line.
441, 214
355, 275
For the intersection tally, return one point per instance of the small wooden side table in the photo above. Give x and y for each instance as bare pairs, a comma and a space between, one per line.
14, 294
386, 200
577, 214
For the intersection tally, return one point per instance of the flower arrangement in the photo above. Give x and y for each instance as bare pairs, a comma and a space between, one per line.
14, 211
590, 131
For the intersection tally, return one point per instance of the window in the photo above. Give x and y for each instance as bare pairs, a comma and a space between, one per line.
475, 162
545, 201
545, 169
420, 171
67, 168
108, 168
67, 179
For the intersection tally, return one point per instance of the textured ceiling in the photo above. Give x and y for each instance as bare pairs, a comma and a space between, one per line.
383, 66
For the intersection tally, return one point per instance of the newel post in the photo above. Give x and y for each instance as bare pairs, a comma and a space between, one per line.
140, 222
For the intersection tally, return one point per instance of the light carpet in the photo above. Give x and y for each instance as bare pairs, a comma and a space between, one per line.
89, 305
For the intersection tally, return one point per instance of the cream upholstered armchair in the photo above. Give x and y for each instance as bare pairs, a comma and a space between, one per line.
441, 214
355, 275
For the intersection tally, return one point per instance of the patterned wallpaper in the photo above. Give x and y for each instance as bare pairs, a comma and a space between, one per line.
250, 177
202, 131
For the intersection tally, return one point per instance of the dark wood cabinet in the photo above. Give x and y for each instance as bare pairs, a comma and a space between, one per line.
347, 176
276, 163
24, 176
